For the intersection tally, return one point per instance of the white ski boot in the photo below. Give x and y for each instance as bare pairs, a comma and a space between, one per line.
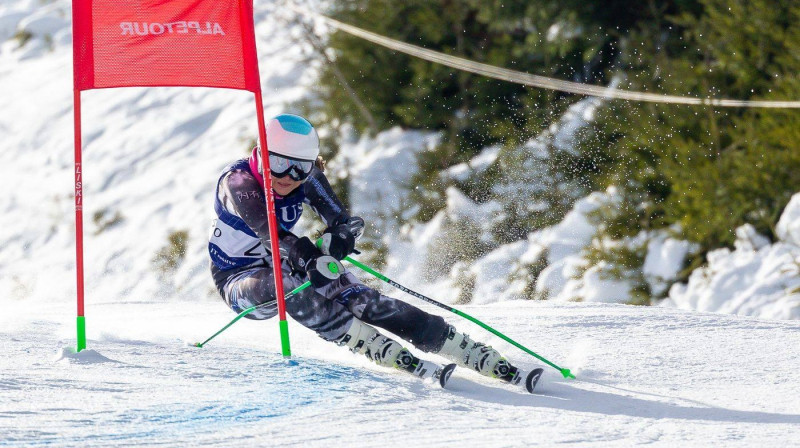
461, 349
384, 351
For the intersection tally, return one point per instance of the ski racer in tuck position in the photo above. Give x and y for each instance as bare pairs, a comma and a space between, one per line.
338, 307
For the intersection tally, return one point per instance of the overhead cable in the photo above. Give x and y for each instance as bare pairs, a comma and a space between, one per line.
539, 81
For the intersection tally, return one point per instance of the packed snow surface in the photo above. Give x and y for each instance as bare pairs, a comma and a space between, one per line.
645, 375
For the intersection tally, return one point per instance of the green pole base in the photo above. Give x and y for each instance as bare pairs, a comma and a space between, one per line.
567, 373
285, 349
81, 333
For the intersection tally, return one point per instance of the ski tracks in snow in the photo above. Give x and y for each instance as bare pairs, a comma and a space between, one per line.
643, 378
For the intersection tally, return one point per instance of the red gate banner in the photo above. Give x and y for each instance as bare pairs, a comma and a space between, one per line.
195, 43
161, 43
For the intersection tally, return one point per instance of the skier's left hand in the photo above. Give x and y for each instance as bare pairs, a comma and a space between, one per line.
337, 242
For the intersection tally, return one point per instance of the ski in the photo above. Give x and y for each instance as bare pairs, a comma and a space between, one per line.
424, 369
444, 374
517, 377
532, 379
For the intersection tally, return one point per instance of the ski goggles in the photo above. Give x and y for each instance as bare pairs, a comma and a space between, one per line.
281, 166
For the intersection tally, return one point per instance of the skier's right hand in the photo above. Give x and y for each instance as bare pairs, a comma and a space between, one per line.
323, 270
301, 254
304, 257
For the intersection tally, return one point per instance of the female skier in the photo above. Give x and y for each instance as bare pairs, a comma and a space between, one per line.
338, 307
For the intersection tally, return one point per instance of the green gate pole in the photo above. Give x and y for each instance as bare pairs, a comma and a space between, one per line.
81, 322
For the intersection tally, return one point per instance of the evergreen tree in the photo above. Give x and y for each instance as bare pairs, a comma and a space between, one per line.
471, 111
708, 169
705, 168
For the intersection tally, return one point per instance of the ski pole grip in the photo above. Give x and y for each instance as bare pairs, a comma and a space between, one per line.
333, 267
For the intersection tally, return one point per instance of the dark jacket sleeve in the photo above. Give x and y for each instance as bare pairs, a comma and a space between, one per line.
323, 200
242, 194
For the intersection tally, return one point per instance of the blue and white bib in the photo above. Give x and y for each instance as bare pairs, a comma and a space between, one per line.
231, 243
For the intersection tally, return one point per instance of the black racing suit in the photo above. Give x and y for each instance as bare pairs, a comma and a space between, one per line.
329, 310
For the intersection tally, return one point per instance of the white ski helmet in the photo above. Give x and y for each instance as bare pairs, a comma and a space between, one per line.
292, 136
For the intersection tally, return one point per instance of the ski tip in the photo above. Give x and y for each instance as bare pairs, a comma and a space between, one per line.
445, 375
532, 379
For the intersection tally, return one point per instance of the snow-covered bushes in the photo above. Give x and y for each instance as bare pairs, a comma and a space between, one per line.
788, 228
755, 279
564, 262
35, 32
571, 260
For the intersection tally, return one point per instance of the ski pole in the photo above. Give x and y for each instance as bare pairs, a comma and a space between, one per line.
250, 310
565, 372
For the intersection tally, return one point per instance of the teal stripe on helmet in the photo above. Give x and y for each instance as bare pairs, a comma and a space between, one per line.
295, 124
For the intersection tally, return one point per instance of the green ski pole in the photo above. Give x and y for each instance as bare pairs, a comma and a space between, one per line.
565, 372
250, 310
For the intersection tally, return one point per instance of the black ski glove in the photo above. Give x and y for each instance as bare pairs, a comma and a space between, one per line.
337, 242
355, 225
321, 269
301, 254
340, 241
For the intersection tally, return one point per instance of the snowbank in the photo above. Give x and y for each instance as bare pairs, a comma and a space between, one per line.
755, 279
504, 273
494, 272
664, 260
788, 228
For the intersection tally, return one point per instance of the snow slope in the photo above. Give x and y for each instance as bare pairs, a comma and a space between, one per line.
646, 375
